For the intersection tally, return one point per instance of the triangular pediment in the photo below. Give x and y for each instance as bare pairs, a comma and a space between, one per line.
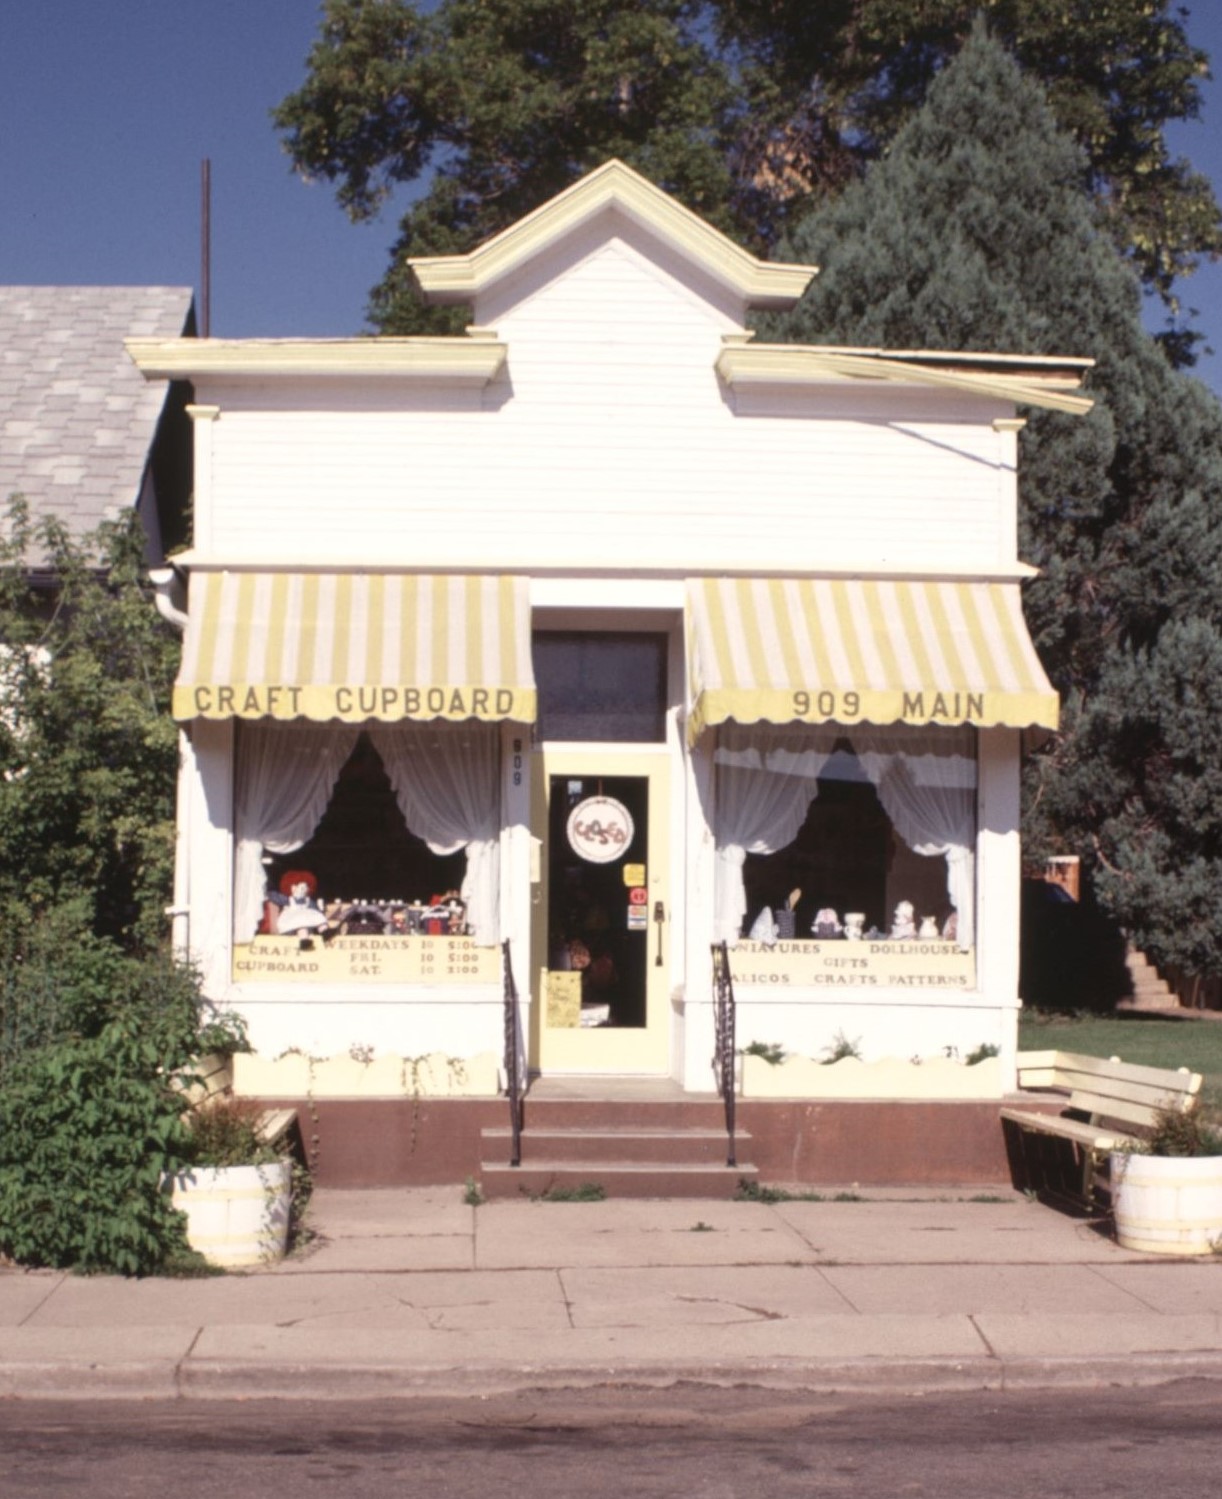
612, 189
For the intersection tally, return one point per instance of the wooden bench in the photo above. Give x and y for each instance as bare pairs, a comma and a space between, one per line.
273, 1125
1105, 1104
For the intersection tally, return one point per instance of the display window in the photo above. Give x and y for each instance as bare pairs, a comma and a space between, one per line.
862, 836
369, 854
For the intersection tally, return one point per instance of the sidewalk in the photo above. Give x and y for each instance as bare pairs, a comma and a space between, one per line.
413, 1292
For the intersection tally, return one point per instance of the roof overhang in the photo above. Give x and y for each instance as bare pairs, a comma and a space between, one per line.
760, 283
1025, 380
475, 359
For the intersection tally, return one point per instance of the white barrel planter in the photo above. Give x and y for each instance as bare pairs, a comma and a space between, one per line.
1167, 1204
237, 1216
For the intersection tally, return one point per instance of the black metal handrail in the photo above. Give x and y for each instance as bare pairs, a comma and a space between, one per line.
514, 1071
725, 1024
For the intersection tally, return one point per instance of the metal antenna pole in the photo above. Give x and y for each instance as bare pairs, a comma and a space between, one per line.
205, 249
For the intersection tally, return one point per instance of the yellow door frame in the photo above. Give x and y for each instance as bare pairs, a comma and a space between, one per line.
566, 1047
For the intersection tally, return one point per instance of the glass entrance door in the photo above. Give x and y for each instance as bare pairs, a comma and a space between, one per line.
602, 920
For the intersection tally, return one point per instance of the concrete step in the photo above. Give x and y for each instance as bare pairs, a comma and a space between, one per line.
1146, 1002
1150, 990
589, 1146
539, 1178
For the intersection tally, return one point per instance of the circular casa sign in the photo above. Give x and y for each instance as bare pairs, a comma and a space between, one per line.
600, 829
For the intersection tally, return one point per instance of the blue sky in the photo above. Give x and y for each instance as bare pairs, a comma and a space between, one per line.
107, 108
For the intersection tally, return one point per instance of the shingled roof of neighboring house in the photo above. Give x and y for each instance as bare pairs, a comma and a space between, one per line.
77, 418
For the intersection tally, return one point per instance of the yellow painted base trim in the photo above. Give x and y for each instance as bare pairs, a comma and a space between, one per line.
437, 1075
891, 1078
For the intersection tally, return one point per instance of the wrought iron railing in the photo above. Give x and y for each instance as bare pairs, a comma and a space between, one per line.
515, 1059
724, 1053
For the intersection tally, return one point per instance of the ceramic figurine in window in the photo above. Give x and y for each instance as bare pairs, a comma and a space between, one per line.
854, 925
300, 909
903, 923
826, 924
928, 928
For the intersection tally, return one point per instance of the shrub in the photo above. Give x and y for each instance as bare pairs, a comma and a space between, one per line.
90, 1117
87, 1126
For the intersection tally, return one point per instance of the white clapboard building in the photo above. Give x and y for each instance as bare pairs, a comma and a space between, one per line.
545, 659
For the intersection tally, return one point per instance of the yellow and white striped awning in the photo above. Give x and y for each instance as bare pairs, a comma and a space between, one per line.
824, 650
356, 646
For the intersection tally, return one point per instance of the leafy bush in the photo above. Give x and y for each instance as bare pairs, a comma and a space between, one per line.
90, 1117
88, 749
87, 1126
58, 981
57, 978
95, 1019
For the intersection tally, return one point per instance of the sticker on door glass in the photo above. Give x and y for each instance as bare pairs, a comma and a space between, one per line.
600, 829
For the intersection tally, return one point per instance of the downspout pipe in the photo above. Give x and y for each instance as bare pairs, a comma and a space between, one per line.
171, 595
171, 599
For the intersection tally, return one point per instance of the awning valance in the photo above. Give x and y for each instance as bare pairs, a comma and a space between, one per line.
820, 650
356, 646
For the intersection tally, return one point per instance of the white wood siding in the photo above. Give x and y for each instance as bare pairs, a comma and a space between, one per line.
609, 443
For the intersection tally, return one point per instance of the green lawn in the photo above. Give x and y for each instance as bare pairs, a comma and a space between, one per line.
1195, 1044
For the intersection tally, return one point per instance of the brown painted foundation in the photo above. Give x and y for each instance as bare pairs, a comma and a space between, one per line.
405, 1142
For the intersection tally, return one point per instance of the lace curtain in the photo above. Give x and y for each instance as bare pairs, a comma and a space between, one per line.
447, 785
926, 781
766, 777
285, 776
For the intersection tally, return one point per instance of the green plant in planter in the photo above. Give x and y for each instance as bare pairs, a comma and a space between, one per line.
1167, 1189
228, 1167
771, 1052
1180, 1133
225, 1132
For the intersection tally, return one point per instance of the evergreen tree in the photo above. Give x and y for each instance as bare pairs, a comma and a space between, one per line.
830, 84
975, 233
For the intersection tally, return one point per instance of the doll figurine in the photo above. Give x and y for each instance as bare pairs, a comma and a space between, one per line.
300, 909
903, 924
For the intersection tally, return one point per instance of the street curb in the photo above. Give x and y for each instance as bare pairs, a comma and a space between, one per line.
204, 1380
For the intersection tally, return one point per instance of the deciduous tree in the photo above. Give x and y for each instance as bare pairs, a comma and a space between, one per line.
747, 110
88, 752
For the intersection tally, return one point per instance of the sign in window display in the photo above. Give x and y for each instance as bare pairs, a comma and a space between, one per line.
326, 814
847, 856
869, 965
366, 960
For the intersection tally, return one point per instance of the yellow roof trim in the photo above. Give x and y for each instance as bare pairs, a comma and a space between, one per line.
761, 283
474, 360
1034, 381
